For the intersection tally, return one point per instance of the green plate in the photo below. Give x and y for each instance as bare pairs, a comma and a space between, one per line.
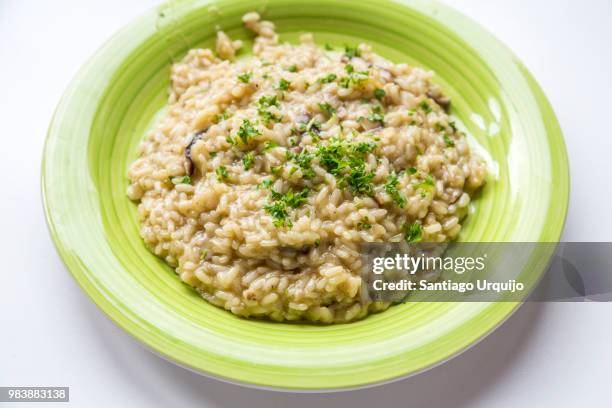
121, 91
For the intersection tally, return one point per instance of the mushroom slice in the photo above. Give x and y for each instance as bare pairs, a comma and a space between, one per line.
196, 136
443, 101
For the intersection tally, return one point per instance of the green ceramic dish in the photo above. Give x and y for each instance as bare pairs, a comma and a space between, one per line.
119, 93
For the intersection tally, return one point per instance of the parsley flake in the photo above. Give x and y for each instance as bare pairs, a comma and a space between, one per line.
248, 160
180, 180
394, 193
221, 173
379, 93
245, 78
412, 232
283, 84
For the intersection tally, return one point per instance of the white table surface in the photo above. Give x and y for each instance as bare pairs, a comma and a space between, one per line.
546, 355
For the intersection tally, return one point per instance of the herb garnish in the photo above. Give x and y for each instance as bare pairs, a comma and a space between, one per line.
278, 208
247, 131
267, 116
364, 224
245, 78
327, 79
303, 160
267, 183
221, 173
351, 52
283, 84
412, 232
248, 160
326, 107
269, 144
354, 78
180, 180
346, 161
449, 142
222, 116
379, 93
425, 106
427, 184
376, 115
267, 101
394, 193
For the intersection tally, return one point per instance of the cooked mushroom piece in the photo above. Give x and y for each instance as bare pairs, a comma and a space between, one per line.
196, 136
443, 101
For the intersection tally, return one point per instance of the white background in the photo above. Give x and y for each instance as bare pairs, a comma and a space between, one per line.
546, 355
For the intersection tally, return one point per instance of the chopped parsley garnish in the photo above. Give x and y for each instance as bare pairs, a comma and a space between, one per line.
453, 125
248, 160
363, 147
359, 180
222, 116
426, 184
269, 144
278, 211
411, 170
247, 131
267, 101
379, 93
292, 68
329, 47
283, 84
294, 200
221, 173
281, 202
394, 193
412, 232
425, 106
180, 180
267, 183
376, 115
353, 79
449, 142
346, 161
312, 126
267, 116
303, 160
364, 224
245, 78
351, 52
327, 79
349, 68
276, 169
212, 154
326, 107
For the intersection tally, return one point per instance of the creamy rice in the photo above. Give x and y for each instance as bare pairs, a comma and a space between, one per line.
267, 173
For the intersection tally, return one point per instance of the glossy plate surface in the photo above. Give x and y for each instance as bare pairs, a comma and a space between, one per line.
121, 91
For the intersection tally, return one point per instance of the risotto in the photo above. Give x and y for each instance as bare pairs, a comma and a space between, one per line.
267, 173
